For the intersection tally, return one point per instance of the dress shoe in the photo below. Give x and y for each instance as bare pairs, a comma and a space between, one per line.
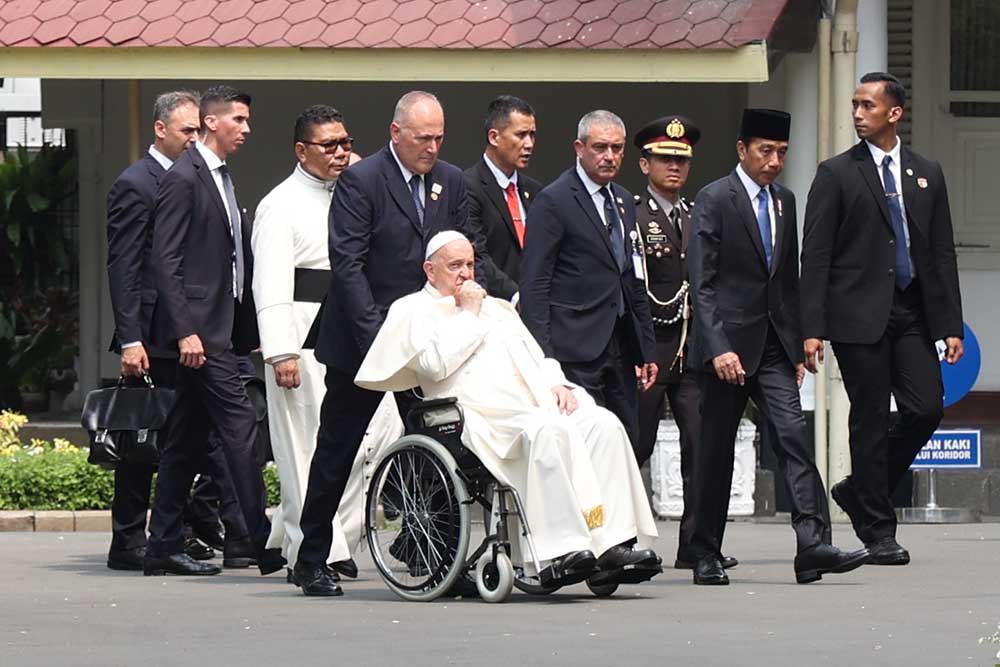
727, 562
404, 549
625, 565
315, 581
210, 535
194, 548
569, 569
709, 572
813, 563
180, 564
290, 578
238, 554
843, 494
348, 568
270, 560
126, 559
464, 587
886, 551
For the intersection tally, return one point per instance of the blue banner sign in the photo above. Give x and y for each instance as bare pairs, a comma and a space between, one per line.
952, 448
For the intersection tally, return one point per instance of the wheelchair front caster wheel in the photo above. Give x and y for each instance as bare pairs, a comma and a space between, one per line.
494, 577
602, 590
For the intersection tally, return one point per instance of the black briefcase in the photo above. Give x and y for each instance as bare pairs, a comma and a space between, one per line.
126, 423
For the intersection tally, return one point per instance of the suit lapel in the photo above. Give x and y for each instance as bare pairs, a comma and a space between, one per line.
779, 229
432, 199
496, 197
741, 202
399, 189
205, 174
869, 172
156, 170
909, 190
585, 201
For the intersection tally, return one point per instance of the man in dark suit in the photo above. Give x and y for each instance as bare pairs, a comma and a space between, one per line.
663, 222
582, 294
384, 210
203, 264
133, 297
880, 281
500, 194
745, 287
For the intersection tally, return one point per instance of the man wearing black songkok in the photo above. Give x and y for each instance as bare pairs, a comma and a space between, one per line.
743, 264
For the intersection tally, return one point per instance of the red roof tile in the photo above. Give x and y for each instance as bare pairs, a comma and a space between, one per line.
457, 24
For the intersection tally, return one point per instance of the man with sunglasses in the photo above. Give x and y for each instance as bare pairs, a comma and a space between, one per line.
291, 276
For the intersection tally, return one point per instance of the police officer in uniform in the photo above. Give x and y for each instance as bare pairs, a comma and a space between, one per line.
662, 222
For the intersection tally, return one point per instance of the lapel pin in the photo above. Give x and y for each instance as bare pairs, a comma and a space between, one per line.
909, 172
622, 209
778, 200
436, 188
652, 205
527, 195
922, 182
619, 200
434, 196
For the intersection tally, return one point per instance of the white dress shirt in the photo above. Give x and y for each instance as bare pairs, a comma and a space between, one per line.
213, 162
753, 190
594, 190
503, 181
878, 155
166, 163
407, 175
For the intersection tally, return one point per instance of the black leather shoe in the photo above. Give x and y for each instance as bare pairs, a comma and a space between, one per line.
194, 548
569, 569
348, 568
290, 578
126, 559
843, 494
813, 563
886, 551
709, 572
238, 554
315, 581
180, 564
626, 565
210, 535
270, 560
727, 562
464, 587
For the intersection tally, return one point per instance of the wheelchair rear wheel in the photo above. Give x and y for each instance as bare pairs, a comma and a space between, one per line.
417, 518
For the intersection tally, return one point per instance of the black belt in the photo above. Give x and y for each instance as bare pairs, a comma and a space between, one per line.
311, 285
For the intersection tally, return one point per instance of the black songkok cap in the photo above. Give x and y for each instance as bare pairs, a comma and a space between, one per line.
765, 124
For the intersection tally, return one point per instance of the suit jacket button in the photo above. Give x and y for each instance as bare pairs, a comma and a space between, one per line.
892, 241
891, 272
682, 255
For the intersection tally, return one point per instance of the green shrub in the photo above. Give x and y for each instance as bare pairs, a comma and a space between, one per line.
272, 484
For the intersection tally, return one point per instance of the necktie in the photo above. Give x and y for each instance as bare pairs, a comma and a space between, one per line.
764, 224
515, 212
235, 230
415, 184
903, 274
675, 217
614, 228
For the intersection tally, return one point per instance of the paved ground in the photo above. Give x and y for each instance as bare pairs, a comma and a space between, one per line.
60, 606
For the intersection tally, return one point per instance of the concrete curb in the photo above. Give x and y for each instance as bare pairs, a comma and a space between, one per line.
61, 521
55, 521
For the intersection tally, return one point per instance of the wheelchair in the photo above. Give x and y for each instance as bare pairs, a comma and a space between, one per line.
418, 516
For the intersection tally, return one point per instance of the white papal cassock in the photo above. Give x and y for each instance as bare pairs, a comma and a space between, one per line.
576, 473
289, 232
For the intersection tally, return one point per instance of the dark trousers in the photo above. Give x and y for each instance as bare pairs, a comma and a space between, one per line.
775, 392
344, 417
610, 380
902, 362
212, 398
683, 397
211, 497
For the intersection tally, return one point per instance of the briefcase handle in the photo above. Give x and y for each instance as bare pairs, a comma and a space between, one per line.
147, 378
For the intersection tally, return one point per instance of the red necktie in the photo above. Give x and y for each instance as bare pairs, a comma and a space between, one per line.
515, 212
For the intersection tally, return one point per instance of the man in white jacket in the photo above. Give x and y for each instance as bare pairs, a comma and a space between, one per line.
570, 460
291, 276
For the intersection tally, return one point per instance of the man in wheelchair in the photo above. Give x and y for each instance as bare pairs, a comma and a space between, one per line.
569, 459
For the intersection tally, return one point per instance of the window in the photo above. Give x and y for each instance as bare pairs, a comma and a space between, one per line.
975, 58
